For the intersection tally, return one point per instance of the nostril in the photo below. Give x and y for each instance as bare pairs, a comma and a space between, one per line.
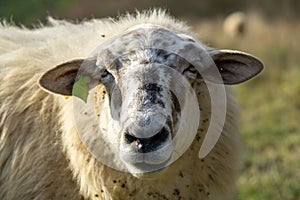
129, 138
160, 137
149, 144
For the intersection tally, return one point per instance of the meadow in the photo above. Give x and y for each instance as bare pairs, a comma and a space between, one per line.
270, 107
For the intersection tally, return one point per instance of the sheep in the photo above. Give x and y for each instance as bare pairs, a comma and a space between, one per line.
235, 24
51, 140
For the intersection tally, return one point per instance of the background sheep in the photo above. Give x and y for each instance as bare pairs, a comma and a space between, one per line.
235, 24
42, 156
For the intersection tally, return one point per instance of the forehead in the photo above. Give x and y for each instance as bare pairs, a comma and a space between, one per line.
147, 36
146, 43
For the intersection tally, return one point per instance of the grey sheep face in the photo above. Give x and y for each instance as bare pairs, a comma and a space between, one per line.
144, 106
140, 70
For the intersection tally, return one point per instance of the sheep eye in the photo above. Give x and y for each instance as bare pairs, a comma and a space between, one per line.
190, 69
104, 74
190, 73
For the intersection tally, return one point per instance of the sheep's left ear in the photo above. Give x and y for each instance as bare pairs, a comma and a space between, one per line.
235, 66
60, 79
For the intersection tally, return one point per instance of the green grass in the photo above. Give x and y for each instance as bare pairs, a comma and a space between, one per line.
270, 108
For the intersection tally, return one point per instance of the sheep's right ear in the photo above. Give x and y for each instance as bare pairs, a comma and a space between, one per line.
235, 66
60, 79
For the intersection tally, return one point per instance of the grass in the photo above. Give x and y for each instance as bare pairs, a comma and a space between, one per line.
270, 108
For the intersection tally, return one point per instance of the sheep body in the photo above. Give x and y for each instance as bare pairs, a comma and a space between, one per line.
42, 156
235, 24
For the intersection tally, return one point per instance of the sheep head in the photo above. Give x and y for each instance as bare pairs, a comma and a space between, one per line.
147, 72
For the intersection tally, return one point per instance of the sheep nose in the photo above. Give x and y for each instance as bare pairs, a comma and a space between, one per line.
145, 145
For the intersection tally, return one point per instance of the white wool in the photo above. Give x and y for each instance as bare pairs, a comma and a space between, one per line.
41, 155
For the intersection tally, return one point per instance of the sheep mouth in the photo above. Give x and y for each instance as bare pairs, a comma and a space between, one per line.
148, 171
150, 175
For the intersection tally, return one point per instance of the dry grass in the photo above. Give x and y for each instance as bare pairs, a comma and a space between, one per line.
270, 107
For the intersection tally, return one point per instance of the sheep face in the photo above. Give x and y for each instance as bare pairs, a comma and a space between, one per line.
147, 114
147, 73
143, 97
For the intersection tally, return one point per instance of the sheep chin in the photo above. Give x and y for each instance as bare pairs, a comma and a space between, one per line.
147, 171
150, 175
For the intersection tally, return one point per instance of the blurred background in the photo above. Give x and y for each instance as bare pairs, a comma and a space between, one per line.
270, 104
33, 11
